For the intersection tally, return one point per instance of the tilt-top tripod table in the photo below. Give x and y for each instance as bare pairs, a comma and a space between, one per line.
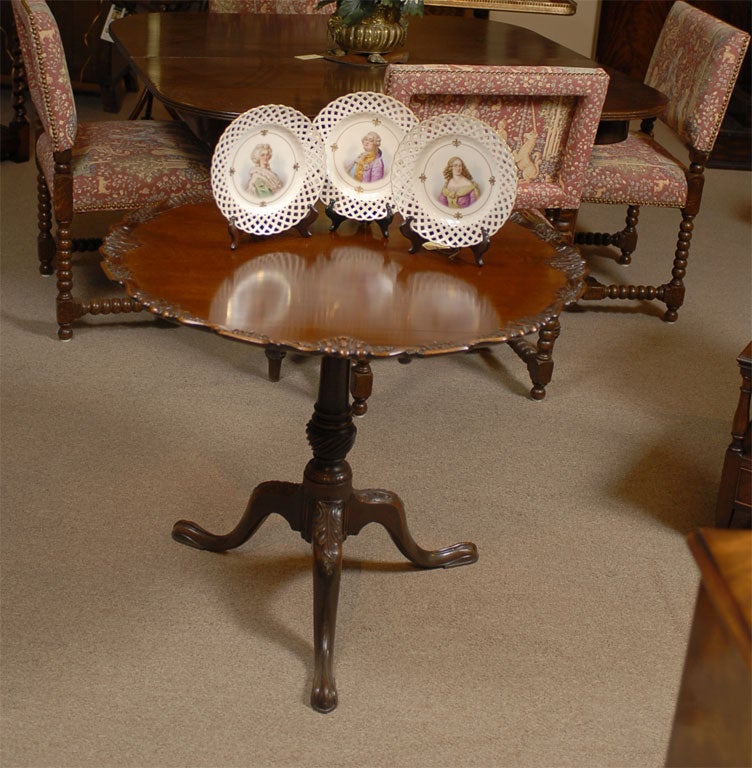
346, 296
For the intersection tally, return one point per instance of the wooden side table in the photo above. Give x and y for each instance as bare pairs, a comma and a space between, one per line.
347, 297
734, 505
712, 724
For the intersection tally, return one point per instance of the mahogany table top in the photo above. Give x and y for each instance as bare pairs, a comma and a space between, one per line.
212, 67
349, 292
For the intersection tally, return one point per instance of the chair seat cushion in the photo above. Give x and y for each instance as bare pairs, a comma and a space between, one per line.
637, 171
121, 165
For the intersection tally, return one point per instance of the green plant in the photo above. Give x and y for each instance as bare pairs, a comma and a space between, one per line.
353, 11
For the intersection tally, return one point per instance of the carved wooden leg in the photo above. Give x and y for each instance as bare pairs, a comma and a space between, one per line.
626, 240
285, 499
66, 306
45, 241
325, 509
19, 125
386, 509
326, 541
539, 359
68, 309
327, 484
734, 471
275, 356
673, 292
361, 386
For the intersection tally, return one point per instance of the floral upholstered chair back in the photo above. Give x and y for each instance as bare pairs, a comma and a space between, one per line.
46, 71
548, 116
695, 62
267, 6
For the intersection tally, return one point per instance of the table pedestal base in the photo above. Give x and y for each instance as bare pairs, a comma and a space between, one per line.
325, 509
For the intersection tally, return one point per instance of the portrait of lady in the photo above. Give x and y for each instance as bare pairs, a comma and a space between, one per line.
263, 181
368, 166
459, 190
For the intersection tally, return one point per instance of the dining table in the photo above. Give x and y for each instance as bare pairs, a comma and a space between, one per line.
209, 68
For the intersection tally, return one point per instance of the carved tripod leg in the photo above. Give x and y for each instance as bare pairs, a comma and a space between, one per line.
327, 485
326, 541
386, 508
285, 499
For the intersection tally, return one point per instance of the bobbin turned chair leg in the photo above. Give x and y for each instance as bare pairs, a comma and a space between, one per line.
673, 292
626, 240
45, 241
65, 304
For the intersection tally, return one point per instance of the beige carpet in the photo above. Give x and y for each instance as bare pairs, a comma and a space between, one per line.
562, 646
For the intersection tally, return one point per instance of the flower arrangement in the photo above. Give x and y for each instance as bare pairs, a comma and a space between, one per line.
354, 11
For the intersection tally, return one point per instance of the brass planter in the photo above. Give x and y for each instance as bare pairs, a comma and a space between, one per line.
380, 33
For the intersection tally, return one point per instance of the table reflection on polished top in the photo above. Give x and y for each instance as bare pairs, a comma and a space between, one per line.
349, 291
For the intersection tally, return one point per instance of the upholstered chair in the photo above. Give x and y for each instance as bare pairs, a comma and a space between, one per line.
99, 166
695, 62
548, 116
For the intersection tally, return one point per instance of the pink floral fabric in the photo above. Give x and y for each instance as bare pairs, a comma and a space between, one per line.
695, 63
46, 71
548, 116
120, 165
637, 171
268, 6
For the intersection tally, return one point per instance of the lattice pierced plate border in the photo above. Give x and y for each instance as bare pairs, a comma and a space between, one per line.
419, 182
264, 200
343, 123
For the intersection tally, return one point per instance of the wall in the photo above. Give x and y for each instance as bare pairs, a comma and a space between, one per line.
578, 32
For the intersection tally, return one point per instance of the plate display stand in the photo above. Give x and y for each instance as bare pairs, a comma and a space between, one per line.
418, 241
337, 218
303, 227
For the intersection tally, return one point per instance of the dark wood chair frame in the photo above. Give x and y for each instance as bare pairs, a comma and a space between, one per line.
672, 292
57, 252
16, 136
734, 503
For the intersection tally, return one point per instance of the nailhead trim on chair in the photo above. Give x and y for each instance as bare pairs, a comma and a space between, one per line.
63, 137
698, 121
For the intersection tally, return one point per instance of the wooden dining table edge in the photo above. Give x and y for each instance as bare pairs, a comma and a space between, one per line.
614, 115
